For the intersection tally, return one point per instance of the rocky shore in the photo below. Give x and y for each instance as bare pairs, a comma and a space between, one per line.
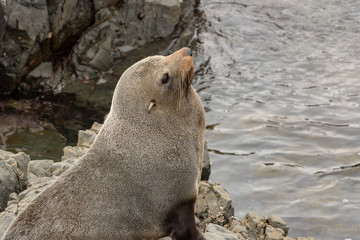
22, 179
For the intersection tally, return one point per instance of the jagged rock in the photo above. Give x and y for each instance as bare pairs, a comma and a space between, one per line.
13, 174
86, 138
278, 222
41, 168
255, 224
32, 179
216, 232
38, 76
42, 71
272, 234
9, 183
68, 20
73, 152
26, 29
206, 168
96, 127
214, 204
59, 167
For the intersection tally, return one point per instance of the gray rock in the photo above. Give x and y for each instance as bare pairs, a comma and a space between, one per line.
86, 138
68, 20
41, 168
59, 168
278, 222
27, 27
239, 228
206, 168
272, 234
38, 76
255, 224
216, 232
32, 179
96, 127
214, 204
73, 152
44, 70
9, 183
13, 174
13, 196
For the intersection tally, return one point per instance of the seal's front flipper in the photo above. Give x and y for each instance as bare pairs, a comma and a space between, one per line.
181, 222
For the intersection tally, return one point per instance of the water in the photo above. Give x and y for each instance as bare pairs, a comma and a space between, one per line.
280, 84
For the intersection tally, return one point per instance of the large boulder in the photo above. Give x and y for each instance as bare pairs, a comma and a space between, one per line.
68, 20
23, 42
120, 28
214, 205
13, 174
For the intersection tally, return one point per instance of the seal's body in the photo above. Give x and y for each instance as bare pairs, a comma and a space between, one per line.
139, 179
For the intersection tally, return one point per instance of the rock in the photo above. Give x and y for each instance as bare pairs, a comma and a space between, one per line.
73, 152
278, 222
26, 30
9, 183
86, 138
206, 168
41, 168
255, 225
272, 234
59, 168
44, 70
32, 179
213, 205
239, 228
216, 232
13, 174
68, 20
13, 196
36, 77
96, 127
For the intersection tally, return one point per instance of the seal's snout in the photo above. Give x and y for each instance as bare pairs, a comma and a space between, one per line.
188, 51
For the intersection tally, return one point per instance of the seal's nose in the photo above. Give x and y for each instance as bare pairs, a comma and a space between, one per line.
188, 51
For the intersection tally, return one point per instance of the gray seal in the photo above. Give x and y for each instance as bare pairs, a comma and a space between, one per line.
139, 179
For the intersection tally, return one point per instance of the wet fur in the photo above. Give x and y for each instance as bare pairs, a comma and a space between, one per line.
139, 179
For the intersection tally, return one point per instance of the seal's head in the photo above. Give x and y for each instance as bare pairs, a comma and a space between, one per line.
159, 83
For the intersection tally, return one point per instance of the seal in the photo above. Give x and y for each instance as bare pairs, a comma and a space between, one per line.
139, 179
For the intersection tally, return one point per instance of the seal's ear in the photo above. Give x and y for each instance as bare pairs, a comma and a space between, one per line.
151, 105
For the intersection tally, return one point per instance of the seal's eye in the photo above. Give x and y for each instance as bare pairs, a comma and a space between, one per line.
165, 79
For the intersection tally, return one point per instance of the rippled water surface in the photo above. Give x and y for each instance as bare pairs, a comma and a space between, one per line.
280, 82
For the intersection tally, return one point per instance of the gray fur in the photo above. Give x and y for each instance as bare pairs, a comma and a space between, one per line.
142, 164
